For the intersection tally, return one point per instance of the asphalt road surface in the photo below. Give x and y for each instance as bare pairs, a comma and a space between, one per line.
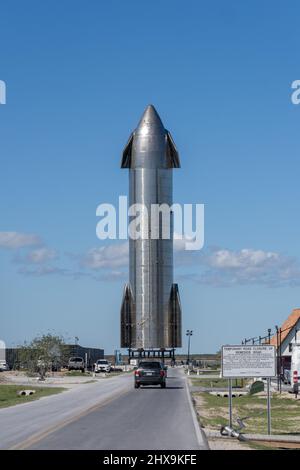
126, 418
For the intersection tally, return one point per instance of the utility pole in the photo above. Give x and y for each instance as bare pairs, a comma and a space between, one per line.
76, 344
280, 359
277, 344
269, 335
189, 333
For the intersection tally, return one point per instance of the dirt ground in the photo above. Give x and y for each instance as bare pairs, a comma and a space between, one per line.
226, 444
57, 379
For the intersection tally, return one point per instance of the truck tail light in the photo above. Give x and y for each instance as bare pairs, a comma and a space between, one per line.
137, 373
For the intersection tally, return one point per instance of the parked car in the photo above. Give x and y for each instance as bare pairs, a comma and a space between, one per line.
102, 365
150, 373
76, 363
3, 366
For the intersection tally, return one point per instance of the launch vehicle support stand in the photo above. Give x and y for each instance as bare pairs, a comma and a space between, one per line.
151, 353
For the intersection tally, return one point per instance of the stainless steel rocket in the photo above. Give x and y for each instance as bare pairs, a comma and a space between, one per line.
151, 311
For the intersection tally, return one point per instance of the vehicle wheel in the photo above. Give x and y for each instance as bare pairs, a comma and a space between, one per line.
136, 385
163, 385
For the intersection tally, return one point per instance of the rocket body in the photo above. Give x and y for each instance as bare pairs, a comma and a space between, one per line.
151, 312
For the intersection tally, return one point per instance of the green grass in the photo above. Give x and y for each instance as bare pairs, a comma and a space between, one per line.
285, 413
113, 374
9, 397
215, 383
210, 372
110, 374
77, 373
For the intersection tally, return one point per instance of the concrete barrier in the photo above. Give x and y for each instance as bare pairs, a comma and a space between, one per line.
25, 392
225, 394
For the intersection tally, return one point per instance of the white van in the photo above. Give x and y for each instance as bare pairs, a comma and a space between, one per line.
295, 363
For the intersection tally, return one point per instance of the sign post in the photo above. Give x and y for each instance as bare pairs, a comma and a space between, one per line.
269, 405
249, 361
230, 401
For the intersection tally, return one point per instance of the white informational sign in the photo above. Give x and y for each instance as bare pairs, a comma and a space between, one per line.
248, 361
133, 362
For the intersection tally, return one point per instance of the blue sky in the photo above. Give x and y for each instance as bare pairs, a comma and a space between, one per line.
78, 77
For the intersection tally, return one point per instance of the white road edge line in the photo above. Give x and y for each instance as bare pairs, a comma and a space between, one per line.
201, 437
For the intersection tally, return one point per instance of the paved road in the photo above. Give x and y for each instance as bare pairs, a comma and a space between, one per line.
146, 418
20, 424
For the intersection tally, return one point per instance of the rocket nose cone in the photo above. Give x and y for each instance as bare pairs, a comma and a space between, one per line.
150, 122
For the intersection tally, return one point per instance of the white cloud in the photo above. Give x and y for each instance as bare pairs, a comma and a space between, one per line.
214, 267
109, 256
223, 267
15, 240
37, 256
243, 259
40, 255
41, 270
113, 276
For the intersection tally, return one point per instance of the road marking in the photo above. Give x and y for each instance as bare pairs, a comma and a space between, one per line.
37, 437
201, 437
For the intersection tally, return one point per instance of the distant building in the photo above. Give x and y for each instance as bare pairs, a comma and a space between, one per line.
288, 334
93, 354
70, 350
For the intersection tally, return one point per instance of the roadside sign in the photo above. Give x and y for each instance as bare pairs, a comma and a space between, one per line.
133, 362
248, 361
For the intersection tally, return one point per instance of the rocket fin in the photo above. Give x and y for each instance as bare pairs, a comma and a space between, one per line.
126, 157
172, 152
127, 316
175, 318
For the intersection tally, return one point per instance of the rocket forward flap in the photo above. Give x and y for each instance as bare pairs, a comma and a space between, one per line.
126, 157
172, 152
175, 318
127, 317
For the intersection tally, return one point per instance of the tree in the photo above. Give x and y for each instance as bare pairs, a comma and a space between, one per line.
43, 354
